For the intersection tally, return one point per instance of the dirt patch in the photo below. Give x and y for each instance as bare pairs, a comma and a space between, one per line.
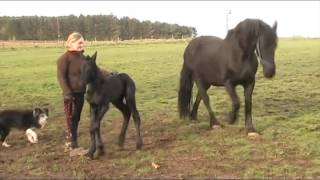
181, 150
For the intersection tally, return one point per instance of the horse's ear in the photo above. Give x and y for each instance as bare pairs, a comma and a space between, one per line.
94, 56
274, 27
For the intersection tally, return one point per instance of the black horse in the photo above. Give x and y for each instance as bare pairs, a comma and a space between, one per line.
118, 89
228, 62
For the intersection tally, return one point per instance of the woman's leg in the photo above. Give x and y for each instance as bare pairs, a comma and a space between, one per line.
76, 114
68, 106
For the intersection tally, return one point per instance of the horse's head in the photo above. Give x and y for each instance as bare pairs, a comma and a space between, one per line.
265, 50
254, 34
89, 69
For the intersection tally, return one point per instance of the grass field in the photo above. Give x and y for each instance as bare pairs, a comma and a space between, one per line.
286, 111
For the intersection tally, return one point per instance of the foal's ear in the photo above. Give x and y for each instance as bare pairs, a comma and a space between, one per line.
274, 27
94, 56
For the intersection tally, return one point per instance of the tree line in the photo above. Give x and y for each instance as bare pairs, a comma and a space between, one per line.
93, 27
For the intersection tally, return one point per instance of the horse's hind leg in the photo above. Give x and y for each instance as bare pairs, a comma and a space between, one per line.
194, 112
126, 116
203, 92
235, 102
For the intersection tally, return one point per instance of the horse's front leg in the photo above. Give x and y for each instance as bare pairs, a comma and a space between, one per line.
231, 89
248, 89
93, 124
99, 144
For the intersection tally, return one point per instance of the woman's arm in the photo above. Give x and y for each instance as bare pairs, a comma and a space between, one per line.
62, 74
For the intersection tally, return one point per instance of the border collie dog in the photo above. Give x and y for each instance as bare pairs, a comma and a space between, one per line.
23, 120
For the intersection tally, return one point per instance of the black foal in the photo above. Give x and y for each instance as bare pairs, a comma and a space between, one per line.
118, 89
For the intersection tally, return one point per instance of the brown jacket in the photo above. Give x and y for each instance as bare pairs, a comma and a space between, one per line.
68, 72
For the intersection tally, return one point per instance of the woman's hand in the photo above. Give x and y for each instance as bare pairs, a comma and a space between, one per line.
68, 97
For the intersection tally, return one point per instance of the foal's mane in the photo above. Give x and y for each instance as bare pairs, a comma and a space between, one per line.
101, 73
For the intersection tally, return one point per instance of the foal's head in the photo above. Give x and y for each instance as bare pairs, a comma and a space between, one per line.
89, 69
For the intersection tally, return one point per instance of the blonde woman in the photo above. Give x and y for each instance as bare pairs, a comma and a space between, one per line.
68, 72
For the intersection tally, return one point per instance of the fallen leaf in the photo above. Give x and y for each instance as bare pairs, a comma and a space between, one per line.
156, 166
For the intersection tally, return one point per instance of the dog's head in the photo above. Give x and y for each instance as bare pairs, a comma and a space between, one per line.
41, 115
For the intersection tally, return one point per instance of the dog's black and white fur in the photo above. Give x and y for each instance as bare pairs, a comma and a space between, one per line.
23, 120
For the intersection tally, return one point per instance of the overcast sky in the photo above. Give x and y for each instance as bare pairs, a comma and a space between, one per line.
295, 18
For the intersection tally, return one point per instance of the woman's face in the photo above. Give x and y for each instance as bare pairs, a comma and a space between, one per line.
77, 45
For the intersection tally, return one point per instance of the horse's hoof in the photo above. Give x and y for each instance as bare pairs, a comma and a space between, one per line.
193, 118
232, 119
216, 127
253, 135
139, 146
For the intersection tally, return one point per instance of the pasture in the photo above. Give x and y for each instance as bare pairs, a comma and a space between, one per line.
286, 111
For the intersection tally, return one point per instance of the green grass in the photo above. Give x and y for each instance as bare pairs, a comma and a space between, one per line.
286, 110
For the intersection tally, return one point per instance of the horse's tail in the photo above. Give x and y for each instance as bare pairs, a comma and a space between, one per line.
185, 92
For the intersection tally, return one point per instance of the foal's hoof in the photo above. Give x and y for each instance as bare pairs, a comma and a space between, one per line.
89, 155
100, 152
121, 145
253, 135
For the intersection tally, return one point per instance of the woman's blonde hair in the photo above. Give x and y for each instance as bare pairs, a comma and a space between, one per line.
73, 37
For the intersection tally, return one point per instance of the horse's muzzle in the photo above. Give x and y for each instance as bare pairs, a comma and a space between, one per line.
269, 68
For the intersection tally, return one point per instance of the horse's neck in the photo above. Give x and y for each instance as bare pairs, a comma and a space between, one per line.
246, 48
246, 39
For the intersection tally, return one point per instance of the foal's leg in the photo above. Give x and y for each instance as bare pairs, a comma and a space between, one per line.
203, 91
248, 89
137, 121
101, 111
93, 128
126, 116
194, 111
231, 89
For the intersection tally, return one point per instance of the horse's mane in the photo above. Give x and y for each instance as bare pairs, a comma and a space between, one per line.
246, 33
252, 27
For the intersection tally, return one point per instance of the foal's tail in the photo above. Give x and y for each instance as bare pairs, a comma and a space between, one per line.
130, 92
185, 92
